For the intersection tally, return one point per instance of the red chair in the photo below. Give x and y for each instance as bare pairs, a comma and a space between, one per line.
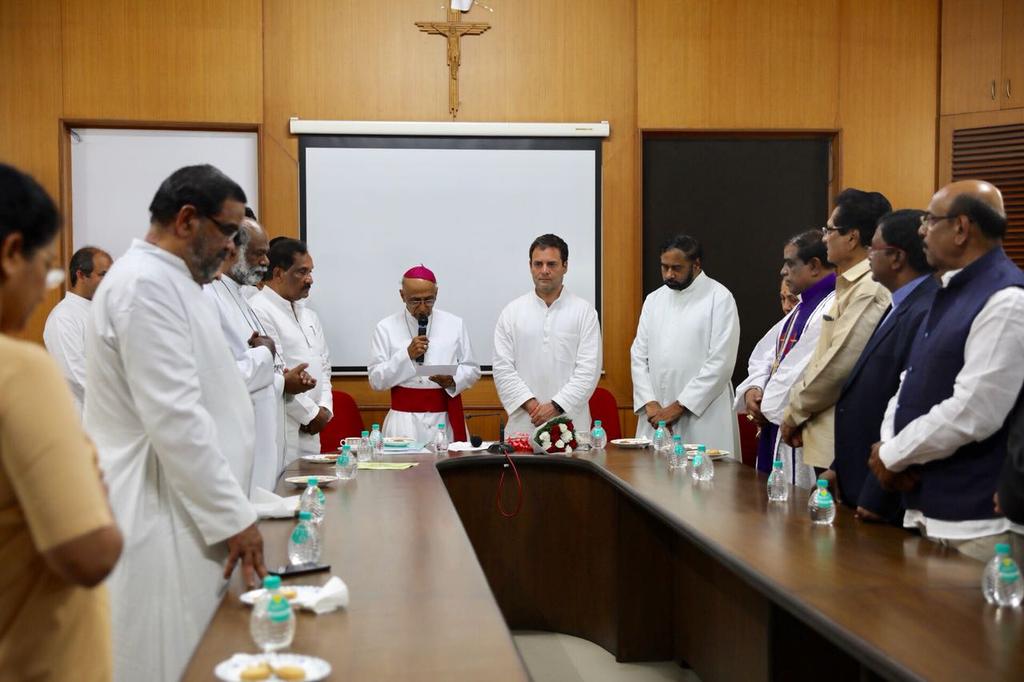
604, 407
346, 422
748, 440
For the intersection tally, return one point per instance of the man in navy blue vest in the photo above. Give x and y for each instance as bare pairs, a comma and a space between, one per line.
898, 263
944, 437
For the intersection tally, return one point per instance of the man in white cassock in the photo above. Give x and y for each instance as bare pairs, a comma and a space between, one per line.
255, 354
398, 350
684, 353
64, 333
547, 346
780, 358
173, 425
299, 337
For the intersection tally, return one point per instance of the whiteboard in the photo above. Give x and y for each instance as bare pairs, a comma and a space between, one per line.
116, 172
468, 210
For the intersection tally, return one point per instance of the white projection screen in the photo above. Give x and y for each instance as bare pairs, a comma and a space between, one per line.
466, 207
116, 171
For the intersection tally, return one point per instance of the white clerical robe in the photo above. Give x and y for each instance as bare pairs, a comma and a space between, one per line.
685, 352
299, 338
64, 338
551, 353
390, 366
173, 423
776, 385
262, 374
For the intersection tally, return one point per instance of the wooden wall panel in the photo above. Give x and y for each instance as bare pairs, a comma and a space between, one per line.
30, 102
888, 103
737, 64
542, 60
186, 60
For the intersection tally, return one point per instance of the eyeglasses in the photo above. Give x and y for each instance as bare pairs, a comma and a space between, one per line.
226, 229
930, 221
826, 230
413, 302
872, 250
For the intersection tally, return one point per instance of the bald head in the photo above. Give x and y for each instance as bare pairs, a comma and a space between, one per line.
985, 192
965, 220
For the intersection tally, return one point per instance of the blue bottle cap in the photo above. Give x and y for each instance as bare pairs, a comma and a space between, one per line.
376, 427
1002, 548
777, 465
440, 426
311, 481
661, 423
365, 434
822, 483
272, 582
305, 516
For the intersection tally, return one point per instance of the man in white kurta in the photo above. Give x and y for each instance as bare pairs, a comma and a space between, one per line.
64, 333
397, 351
299, 337
685, 351
173, 423
547, 346
254, 351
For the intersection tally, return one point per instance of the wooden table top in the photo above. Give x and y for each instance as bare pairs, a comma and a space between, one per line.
421, 607
910, 606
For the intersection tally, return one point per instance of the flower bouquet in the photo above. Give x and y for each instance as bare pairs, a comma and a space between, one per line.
556, 436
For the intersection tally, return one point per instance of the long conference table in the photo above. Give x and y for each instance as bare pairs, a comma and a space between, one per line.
614, 547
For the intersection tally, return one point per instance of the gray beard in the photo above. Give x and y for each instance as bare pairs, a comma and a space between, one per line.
242, 273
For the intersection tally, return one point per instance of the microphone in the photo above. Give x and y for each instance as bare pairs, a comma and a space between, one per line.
501, 447
422, 332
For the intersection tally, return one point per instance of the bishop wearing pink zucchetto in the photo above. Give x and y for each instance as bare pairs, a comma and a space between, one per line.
422, 335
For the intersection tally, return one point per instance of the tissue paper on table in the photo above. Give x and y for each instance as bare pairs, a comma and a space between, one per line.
271, 506
331, 596
462, 446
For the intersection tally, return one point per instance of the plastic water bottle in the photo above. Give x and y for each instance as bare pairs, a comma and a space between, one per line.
376, 442
346, 466
821, 506
703, 468
304, 543
660, 442
313, 500
272, 623
440, 444
677, 460
1009, 587
598, 437
364, 452
990, 576
778, 486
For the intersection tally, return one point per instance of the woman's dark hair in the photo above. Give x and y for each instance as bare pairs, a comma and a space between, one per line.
26, 209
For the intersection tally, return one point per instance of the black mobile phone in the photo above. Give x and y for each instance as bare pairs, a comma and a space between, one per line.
300, 569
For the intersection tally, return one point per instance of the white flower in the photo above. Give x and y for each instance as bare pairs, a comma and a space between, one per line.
568, 450
545, 436
565, 429
559, 444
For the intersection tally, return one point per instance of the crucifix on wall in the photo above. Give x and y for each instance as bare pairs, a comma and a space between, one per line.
453, 30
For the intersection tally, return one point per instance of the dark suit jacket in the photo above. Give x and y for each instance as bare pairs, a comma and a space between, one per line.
872, 382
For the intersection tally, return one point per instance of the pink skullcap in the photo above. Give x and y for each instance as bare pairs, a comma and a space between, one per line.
420, 272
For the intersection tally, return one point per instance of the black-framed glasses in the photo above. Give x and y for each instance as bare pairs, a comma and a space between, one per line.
413, 302
226, 229
826, 230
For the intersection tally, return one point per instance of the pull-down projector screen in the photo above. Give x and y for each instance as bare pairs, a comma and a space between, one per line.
466, 207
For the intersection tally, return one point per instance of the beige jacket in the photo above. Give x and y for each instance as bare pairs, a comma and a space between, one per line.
859, 305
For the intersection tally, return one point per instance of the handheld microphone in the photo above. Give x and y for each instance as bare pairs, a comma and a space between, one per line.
422, 331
